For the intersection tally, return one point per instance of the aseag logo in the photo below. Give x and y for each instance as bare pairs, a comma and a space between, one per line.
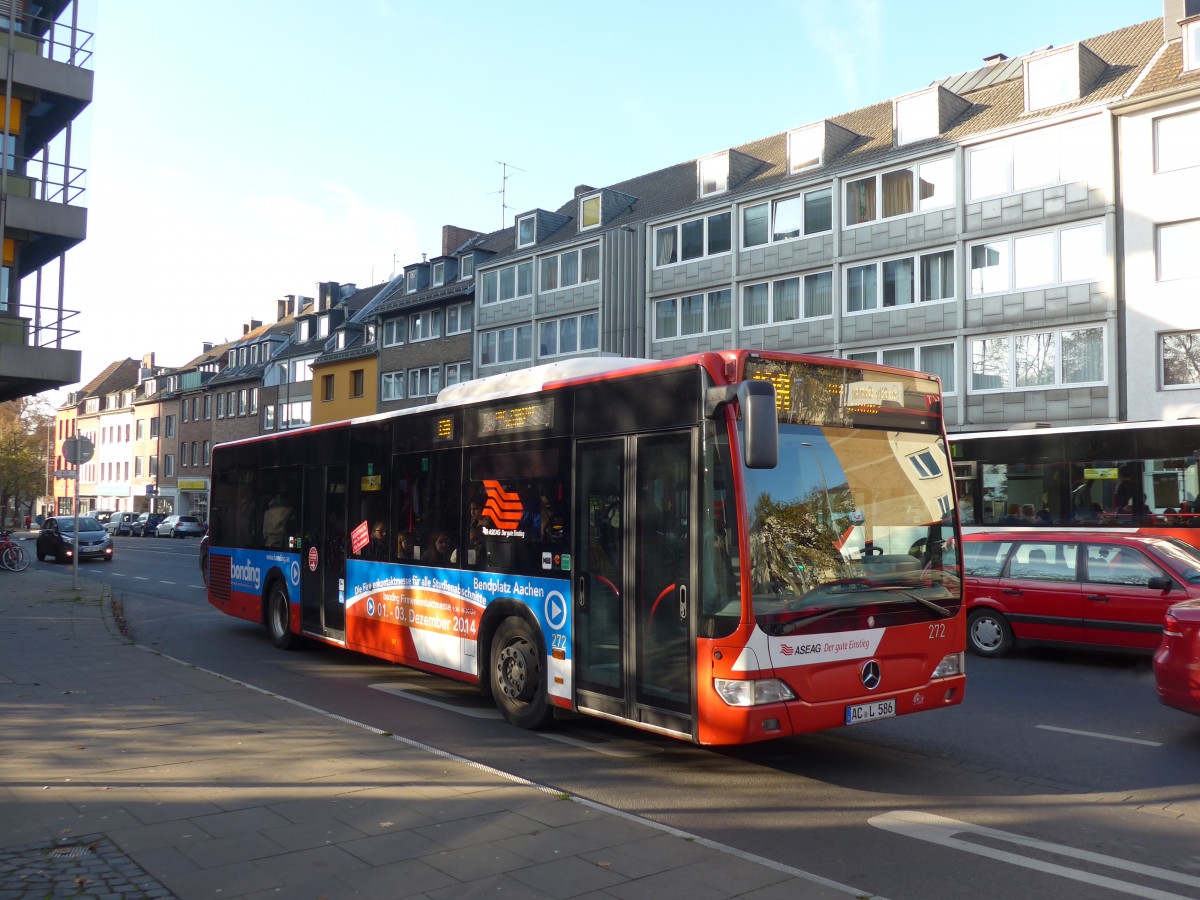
502, 507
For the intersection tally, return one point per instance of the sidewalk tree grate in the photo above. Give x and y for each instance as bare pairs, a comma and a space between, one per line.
70, 852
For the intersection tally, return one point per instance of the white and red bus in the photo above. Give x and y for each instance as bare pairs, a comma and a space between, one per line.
725, 548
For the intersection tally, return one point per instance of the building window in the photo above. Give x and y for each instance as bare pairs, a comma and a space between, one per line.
936, 359
369, 334
900, 282
424, 382
1038, 360
327, 393
439, 274
714, 174
809, 213
458, 318
139, 429
254, 353
787, 300
589, 212
570, 269
137, 467
220, 406
693, 239
195, 453
900, 192
1177, 142
243, 401
302, 332
410, 282
168, 465
391, 386
207, 452
1062, 256
153, 463
526, 231
916, 117
505, 345
254, 401
269, 417
466, 267
1181, 359
425, 326
356, 383
1058, 155
393, 331
695, 314
184, 410
322, 327
1052, 80
207, 407
574, 334
301, 371
805, 147
1176, 246
456, 373
508, 283
170, 426
1191, 43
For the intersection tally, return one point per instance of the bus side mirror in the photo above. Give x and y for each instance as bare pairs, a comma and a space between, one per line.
760, 426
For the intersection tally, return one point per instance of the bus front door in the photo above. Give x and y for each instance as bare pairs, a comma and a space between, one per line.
322, 551
634, 641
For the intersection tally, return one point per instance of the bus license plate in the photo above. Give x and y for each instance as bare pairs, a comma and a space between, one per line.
869, 712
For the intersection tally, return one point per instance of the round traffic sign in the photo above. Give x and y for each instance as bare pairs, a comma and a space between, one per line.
78, 450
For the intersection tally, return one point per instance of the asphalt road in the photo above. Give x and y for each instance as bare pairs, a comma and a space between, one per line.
1060, 776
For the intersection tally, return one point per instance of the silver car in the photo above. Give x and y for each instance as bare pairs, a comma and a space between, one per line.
180, 526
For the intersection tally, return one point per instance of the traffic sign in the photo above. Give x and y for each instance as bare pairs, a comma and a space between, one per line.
78, 450
67, 473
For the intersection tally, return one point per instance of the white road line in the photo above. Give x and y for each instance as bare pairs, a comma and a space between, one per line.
943, 831
141, 577
166, 582
474, 713
1096, 734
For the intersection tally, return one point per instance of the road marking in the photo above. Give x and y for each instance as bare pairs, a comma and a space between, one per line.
1096, 734
941, 830
473, 712
619, 749
166, 582
141, 577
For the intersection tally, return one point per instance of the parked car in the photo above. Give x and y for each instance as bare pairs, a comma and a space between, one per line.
57, 539
101, 515
1073, 588
179, 526
1177, 662
146, 524
120, 523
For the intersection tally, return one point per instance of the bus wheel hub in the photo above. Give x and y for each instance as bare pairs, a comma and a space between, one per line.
517, 666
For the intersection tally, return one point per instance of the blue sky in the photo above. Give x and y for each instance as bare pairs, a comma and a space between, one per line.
246, 150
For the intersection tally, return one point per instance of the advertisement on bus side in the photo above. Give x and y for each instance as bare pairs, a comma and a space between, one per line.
248, 571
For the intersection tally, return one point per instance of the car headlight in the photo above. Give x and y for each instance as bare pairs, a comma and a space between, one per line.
953, 664
752, 693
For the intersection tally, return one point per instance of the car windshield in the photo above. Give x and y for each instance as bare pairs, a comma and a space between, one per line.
850, 519
88, 524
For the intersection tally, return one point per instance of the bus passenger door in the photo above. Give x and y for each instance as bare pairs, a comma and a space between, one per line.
634, 610
322, 551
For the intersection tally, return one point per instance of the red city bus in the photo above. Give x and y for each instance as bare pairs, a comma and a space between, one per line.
725, 548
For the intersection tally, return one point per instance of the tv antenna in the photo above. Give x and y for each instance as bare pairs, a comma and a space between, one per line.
506, 172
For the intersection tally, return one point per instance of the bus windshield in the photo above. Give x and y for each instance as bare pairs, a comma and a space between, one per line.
850, 519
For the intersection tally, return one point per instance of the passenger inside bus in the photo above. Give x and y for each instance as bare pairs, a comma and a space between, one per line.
278, 522
377, 548
405, 547
438, 552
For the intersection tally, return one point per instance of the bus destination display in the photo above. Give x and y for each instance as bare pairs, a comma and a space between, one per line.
532, 416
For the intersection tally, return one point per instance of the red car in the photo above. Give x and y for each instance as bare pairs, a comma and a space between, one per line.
1177, 662
1073, 588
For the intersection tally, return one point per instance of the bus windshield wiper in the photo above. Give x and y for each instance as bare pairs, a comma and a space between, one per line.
928, 604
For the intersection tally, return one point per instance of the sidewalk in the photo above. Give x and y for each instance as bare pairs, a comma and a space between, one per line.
124, 774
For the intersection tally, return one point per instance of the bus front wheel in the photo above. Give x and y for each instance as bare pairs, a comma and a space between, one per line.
988, 633
279, 618
518, 675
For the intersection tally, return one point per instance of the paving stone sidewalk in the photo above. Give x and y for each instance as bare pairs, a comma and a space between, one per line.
124, 774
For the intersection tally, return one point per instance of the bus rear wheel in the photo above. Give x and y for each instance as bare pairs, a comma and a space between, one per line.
279, 618
988, 633
518, 675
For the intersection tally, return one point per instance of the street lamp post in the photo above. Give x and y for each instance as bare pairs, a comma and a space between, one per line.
824, 483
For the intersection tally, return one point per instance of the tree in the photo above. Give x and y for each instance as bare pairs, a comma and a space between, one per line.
23, 453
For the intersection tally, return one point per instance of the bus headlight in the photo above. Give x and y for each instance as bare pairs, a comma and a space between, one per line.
752, 693
954, 664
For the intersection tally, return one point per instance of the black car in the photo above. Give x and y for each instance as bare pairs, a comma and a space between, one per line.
57, 539
146, 524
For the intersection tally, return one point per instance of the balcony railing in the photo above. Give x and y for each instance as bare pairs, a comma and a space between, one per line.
40, 179
36, 324
49, 39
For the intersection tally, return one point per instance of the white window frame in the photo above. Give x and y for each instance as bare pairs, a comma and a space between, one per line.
676, 228
1041, 73
584, 215
439, 274
556, 265
395, 331
917, 286
302, 333
391, 386
526, 224
1009, 243
424, 381
916, 117
410, 281
675, 304
466, 267
771, 285
1012, 374
773, 234
917, 350
1066, 153
1191, 44
1184, 145
425, 326
919, 206
712, 174
323, 327
800, 145
1190, 355
495, 337
459, 313
495, 276
456, 373
557, 325
1183, 263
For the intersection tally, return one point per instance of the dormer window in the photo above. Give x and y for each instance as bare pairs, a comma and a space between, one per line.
805, 146
243, 354
916, 118
713, 172
302, 331
410, 282
526, 231
254, 354
439, 274
1191, 44
323, 326
1052, 80
266, 352
466, 267
369, 334
341, 340
589, 212
232, 359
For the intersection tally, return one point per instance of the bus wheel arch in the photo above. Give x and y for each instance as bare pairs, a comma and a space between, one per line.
988, 632
516, 668
277, 614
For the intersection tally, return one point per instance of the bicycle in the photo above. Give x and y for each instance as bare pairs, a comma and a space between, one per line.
13, 556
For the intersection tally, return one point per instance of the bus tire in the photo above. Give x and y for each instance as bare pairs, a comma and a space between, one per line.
988, 633
279, 618
518, 675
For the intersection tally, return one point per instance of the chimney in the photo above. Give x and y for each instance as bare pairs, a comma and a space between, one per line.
148, 361
255, 323
583, 189
206, 347
454, 237
1173, 11
245, 329
285, 307
994, 60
